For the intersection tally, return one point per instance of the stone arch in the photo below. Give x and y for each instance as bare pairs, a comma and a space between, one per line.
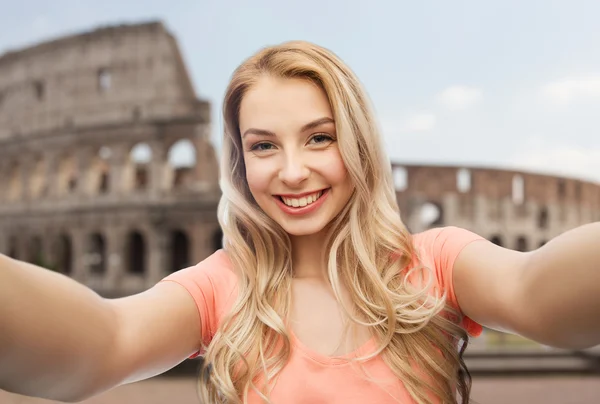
15, 183
518, 189
96, 254
431, 214
136, 253
63, 254
38, 181
104, 79
400, 176
561, 189
4, 182
67, 174
99, 171
463, 180
497, 239
180, 250
543, 218
217, 240
12, 247
522, 244
35, 251
181, 162
137, 167
39, 90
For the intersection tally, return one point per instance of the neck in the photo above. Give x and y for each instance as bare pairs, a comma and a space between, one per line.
309, 256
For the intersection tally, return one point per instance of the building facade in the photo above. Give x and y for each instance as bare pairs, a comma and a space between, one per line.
517, 210
107, 172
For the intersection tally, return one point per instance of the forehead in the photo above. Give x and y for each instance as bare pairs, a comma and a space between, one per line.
278, 104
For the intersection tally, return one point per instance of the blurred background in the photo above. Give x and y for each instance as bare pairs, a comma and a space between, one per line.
110, 137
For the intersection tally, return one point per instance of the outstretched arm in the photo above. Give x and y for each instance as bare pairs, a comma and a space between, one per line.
60, 340
551, 295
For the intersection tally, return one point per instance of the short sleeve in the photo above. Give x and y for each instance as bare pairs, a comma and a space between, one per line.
212, 284
442, 247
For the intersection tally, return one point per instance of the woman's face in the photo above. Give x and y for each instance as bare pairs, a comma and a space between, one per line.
293, 165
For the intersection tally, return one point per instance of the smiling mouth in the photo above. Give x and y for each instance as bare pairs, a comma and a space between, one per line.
303, 201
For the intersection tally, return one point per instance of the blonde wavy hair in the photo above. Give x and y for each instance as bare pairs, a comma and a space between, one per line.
371, 253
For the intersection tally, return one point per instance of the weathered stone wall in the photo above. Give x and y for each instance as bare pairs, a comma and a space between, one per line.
518, 210
90, 184
105, 77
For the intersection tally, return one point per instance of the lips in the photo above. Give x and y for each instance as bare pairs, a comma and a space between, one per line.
301, 201
301, 204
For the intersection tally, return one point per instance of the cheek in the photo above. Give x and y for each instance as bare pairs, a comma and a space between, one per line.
257, 177
334, 167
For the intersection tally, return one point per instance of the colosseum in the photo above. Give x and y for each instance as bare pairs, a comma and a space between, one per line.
106, 167
517, 210
108, 173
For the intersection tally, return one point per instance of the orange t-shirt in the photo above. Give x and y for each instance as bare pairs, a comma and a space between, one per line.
310, 377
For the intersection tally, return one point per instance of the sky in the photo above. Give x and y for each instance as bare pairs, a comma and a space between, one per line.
505, 84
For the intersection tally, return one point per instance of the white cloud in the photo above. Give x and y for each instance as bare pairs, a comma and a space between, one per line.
409, 122
572, 161
566, 90
420, 122
459, 97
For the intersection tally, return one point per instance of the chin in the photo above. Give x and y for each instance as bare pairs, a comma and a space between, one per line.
300, 232
302, 229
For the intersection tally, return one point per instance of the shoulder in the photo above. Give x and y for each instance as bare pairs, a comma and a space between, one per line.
213, 279
217, 267
449, 236
443, 244
439, 249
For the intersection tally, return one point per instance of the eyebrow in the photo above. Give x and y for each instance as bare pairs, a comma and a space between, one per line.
308, 126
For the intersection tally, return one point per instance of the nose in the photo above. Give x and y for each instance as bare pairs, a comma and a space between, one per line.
294, 170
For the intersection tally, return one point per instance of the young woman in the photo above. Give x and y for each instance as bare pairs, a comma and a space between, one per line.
320, 294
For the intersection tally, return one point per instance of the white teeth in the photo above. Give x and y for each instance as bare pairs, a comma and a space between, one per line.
301, 202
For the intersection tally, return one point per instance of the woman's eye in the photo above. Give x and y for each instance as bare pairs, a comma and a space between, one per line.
262, 147
321, 138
